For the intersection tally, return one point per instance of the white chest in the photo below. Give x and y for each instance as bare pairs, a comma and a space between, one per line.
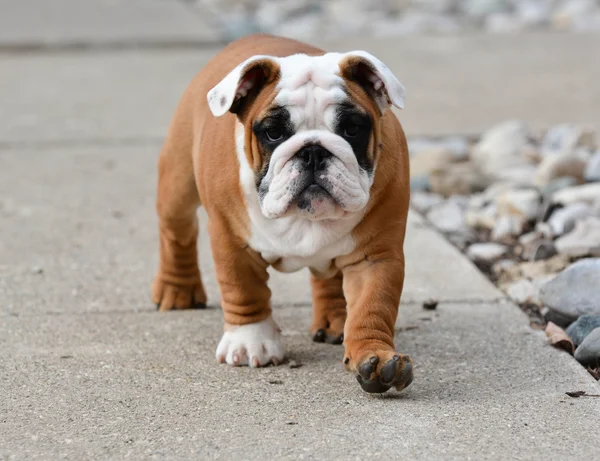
294, 243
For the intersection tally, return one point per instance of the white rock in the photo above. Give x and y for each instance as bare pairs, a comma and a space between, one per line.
449, 216
521, 291
581, 241
560, 165
499, 267
563, 139
524, 203
430, 160
424, 201
500, 147
563, 220
482, 218
486, 252
507, 226
592, 169
588, 193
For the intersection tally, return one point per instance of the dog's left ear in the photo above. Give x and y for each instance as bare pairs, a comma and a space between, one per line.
242, 84
375, 77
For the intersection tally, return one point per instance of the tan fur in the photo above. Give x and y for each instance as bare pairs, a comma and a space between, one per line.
198, 164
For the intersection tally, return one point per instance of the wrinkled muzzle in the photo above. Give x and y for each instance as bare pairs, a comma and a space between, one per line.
314, 174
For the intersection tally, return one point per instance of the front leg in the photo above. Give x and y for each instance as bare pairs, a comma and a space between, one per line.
372, 289
251, 336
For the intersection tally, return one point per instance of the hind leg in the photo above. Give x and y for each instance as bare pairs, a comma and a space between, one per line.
329, 309
177, 284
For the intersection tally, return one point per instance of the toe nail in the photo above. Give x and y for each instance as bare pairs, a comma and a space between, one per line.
346, 360
366, 369
338, 340
255, 362
396, 358
405, 378
236, 358
388, 372
275, 361
319, 336
199, 305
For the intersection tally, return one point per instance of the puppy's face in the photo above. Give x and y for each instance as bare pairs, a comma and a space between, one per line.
310, 129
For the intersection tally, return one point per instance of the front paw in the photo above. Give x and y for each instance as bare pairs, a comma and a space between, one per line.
187, 294
378, 371
256, 345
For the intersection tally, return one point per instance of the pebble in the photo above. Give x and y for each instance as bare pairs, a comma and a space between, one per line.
560, 165
588, 352
575, 291
449, 216
521, 291
557, 184
457, 179
535, 269
430, 160
305, 19
424, 201
500, 147
523, 203
507, 226
486, 252
589, 193
563, 139
563, 220
582, 327
482, 218
502, 266
583, 240
592, 169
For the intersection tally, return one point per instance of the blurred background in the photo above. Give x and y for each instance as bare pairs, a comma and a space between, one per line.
502, 113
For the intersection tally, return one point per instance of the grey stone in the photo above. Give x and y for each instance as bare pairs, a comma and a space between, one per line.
424, 201
420, 183
543, 250
575, 291
588, 352
449, 216
592, 169
582, 327
563, 220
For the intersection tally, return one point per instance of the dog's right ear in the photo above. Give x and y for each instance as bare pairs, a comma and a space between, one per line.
241, 84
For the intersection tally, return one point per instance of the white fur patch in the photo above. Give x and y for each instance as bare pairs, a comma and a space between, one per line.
255, 345
294, 240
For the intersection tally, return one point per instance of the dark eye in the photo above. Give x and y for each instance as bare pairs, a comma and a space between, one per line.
351, 131
274, 134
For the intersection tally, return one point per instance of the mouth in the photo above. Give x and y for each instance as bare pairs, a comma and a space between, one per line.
313, 198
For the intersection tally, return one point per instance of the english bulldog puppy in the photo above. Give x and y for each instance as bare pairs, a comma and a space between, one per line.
299, 162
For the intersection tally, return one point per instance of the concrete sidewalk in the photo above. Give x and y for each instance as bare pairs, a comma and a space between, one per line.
88, 370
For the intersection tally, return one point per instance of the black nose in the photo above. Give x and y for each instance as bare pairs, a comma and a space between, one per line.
314, 156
